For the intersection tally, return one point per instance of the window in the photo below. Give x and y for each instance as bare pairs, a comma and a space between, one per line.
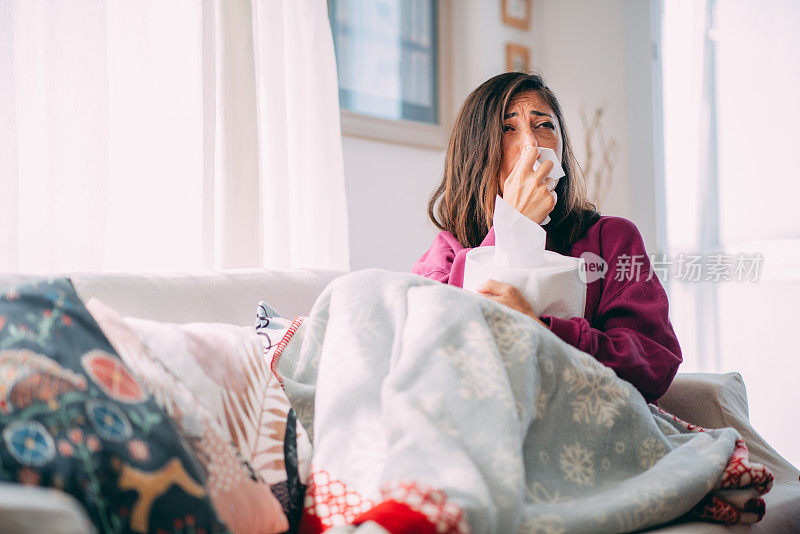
730, 117
389, 62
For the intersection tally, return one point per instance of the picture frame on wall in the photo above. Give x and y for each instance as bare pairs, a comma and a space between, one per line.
517, 13
517, 58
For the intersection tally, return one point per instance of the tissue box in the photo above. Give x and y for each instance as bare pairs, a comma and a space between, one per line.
557, 287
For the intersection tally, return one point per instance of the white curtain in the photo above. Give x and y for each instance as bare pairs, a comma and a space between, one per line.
690, 146
181, 135
730, 74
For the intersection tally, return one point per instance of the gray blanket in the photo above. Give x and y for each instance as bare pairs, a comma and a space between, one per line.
423, 397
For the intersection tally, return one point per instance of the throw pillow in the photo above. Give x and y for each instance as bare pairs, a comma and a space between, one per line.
224, 367
244, 504
73, 417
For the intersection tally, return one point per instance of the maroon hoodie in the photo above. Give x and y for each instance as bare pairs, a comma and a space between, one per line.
626, 324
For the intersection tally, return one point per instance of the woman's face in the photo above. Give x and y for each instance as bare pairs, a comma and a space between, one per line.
528, 121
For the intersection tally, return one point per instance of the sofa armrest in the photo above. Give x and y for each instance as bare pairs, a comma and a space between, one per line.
699, 397
41, 510
720, 400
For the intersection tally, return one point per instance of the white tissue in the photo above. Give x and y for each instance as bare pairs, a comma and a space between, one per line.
546, 154
519, 242
553, 284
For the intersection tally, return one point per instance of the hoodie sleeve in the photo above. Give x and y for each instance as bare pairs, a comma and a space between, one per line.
444, 260
631, 332
437, 261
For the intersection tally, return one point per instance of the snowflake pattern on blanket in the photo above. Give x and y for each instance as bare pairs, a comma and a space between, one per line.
435, 410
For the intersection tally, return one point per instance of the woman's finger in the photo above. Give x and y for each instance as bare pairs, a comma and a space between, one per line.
493, 297
525, 160
491, 287
508, 183
543, 172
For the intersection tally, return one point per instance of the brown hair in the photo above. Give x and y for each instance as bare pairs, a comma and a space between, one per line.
467, 192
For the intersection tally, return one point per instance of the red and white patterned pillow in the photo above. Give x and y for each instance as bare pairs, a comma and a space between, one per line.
244, 504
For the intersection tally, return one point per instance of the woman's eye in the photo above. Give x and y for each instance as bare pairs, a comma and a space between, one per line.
508, 128
547, 124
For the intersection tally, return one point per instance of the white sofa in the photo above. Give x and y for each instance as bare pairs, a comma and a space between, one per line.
708, 400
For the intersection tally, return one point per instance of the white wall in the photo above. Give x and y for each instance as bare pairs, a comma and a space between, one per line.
590, 53
599, 53
387, 194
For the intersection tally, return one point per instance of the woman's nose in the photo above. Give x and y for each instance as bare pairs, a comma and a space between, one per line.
527, 138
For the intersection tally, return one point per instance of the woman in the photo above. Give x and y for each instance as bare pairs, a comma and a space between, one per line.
492, 149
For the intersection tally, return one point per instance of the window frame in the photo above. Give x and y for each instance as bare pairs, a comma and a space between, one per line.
406, 132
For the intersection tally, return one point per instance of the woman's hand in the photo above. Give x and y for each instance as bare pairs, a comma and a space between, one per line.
526, 190
508, 295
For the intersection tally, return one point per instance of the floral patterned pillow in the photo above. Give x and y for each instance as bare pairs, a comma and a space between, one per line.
225, 368
223, 365
73, 417
244, 504
275, 330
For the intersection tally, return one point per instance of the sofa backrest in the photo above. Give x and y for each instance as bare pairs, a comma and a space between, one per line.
215, 296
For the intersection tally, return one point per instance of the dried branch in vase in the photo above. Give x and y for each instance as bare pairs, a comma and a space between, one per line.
601, 155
